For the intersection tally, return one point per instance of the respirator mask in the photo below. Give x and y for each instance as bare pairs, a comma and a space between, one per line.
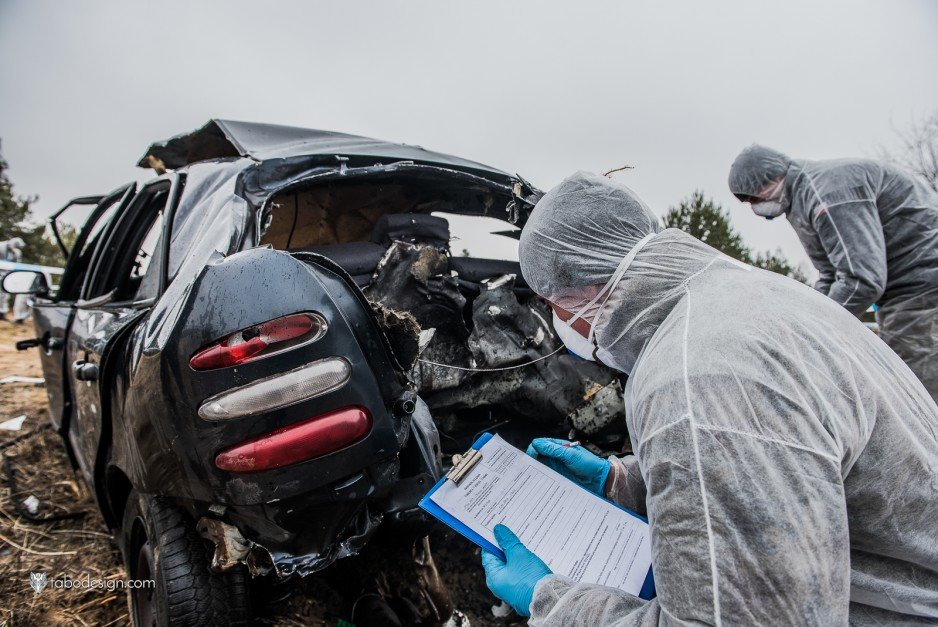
772, 203
586, 347
768, 209
571, 338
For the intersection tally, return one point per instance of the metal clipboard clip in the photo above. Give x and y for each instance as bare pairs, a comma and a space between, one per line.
462, 464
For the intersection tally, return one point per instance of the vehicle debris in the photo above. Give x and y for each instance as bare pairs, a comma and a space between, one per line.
37, 381
602, 407
31, 504
13, 424
232, 548
492, 348
501, 610
413, 279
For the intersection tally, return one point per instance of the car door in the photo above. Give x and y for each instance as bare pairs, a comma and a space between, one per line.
126, 275
52, 315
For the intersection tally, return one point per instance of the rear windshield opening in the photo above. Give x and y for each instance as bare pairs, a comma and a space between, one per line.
480, 237
340, 212
354, 222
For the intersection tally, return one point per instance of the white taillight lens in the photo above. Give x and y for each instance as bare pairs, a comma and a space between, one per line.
280, 390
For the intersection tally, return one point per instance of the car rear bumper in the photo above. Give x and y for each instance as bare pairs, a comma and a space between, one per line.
306, 533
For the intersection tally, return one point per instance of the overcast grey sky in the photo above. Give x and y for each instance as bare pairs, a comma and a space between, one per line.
675, 89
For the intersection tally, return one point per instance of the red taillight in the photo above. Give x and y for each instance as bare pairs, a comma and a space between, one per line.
298, 442
260, 341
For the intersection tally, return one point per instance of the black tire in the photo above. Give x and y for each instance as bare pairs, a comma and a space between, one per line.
160, 542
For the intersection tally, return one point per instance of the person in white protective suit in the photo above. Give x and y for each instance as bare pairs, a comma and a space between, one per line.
870, 229
12, 250
786, 458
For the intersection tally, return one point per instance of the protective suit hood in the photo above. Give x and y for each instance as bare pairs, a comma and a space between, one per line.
576, 238
577, 235
754, 168
649, 291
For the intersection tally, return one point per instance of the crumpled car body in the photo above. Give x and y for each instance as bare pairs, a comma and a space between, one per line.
269, 305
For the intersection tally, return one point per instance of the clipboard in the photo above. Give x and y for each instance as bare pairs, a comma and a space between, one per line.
428, 505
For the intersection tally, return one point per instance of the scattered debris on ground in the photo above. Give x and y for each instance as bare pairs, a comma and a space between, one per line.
27, 380
49, 525
13, 424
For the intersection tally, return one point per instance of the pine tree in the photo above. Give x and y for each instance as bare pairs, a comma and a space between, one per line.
17, 220
706, 220
710, 223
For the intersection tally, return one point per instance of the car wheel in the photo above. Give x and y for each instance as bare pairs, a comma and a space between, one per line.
160, 543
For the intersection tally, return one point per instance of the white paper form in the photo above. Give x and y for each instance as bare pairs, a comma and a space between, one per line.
576, 533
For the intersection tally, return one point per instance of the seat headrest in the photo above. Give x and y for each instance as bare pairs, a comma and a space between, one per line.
413, 228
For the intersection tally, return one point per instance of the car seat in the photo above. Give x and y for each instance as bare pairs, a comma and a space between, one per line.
360, 259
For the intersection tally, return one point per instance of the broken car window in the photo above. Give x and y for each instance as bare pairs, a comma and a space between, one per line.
124, 257
478, 236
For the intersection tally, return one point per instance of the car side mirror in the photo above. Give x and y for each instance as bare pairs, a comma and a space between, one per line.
25, 282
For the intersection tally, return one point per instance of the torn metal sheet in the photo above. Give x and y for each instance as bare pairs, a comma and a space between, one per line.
360, 530
415, 279
231, 548
505, 332
403, 332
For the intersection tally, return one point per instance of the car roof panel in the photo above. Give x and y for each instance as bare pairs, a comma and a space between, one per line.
230, 138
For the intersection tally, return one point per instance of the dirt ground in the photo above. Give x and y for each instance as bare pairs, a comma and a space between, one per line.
76, 544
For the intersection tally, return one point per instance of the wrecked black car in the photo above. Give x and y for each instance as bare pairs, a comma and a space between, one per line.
269, 351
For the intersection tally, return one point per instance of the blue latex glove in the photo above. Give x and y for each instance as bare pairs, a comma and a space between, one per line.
513, 580
574, 462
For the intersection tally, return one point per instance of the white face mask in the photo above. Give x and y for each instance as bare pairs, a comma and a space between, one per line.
768, 208
588, 345
571, 338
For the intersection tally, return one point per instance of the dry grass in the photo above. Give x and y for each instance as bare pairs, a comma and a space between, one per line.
73, 548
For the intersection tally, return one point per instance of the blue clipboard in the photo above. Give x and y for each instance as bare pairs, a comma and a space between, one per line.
648, 588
